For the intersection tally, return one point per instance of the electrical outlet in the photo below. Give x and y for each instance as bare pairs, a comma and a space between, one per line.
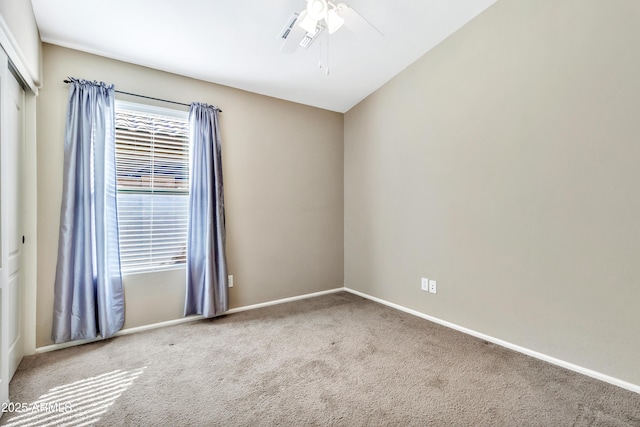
424, 285
230, 280
432, 286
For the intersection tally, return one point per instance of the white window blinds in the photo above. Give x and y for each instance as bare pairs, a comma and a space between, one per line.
152, 162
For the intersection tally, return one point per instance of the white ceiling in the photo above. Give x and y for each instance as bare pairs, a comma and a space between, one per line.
236, 42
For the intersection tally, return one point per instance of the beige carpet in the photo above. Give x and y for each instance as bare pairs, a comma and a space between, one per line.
335, 360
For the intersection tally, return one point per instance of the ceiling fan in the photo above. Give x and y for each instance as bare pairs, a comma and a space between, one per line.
305, 27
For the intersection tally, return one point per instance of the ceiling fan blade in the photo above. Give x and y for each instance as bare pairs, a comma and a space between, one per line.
291, 35
356, 23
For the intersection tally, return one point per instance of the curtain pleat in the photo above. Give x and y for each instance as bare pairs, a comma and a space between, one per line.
206, 292
88, 293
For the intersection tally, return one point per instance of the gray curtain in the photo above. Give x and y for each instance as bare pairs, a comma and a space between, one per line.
206, 260
88, 298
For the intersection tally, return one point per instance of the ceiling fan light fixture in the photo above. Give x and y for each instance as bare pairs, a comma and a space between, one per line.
307, 23
334, 21
317, 9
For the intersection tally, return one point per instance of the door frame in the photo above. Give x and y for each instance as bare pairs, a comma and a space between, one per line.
19, 69
12, 63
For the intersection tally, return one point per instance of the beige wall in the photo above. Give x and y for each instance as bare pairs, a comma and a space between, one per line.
283, 171
505, 165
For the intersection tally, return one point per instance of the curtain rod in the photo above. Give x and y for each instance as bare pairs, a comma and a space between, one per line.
149, 97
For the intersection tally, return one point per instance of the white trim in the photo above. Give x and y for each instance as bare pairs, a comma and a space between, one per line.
30, 226
174, 322
60, 346
10, 45
282, 301
151, 109
549, 359
541, 356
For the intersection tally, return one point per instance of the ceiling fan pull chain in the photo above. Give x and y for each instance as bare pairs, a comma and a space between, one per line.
326, 53
321, 59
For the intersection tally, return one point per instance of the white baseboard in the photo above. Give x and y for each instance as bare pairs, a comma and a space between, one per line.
283, 300
174, 322
567, 365
67, 344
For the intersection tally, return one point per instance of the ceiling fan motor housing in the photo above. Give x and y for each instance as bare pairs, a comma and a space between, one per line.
317, 9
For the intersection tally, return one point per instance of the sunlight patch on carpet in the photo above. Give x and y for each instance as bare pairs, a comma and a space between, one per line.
77, 404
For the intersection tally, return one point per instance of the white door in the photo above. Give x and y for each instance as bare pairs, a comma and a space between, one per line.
11, 169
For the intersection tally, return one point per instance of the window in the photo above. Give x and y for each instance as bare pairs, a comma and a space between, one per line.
152, 163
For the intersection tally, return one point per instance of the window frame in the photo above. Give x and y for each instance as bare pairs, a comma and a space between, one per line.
163, 112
